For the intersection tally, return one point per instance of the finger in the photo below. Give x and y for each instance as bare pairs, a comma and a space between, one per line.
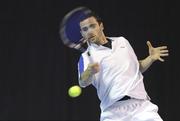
162, 60
96, 69
162, 47
164, 51
164, 54
92, 65
149, 44
96, 64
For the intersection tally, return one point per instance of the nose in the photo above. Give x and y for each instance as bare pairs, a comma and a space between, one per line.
90, 33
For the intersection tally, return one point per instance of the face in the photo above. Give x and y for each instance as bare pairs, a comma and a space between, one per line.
92, 30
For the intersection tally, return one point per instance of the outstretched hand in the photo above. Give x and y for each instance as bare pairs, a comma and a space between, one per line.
158, 52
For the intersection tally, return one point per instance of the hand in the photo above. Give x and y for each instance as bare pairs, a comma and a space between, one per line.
158, 52
93, 68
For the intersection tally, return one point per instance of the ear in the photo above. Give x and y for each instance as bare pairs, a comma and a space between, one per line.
101, 26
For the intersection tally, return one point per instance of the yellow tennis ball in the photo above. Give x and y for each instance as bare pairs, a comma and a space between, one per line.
74, 91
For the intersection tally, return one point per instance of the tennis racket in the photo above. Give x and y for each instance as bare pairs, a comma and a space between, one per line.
70, 29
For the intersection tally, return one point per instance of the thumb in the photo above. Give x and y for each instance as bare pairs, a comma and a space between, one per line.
149, 44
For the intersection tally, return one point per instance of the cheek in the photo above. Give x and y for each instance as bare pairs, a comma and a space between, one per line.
83, 34
99, 31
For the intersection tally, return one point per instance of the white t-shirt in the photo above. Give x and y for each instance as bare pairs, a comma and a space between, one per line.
119, 71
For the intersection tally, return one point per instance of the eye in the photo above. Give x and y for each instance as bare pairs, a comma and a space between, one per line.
84, 29
93, 25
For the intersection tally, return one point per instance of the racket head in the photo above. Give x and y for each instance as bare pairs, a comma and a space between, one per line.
70, 28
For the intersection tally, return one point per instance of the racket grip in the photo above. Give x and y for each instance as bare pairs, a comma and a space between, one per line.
89, 53
90, 57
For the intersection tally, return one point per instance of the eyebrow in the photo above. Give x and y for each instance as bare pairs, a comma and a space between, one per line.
88, 25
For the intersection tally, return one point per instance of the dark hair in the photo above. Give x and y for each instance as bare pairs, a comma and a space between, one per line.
90, 14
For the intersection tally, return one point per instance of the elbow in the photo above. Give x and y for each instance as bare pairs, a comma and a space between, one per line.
141, 70
83, 84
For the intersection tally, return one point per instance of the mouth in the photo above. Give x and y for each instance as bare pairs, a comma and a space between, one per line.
91, 38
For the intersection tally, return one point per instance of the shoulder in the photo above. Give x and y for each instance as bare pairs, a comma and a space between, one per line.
83, 56
120, 38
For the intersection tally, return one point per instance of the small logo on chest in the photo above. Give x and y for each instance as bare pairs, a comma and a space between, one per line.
122, 46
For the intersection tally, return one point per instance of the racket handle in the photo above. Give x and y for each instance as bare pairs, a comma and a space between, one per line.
89, 54
90, 57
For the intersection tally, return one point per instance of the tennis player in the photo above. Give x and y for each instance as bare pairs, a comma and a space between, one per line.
116, 73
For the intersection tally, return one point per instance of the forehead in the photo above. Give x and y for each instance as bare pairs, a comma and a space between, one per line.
90, 20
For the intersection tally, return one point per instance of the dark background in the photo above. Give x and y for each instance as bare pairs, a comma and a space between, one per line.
37, 69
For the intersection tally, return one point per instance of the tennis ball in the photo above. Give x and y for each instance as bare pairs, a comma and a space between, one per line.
74, 91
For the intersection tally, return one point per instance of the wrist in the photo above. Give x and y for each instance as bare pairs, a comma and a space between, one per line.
151, 58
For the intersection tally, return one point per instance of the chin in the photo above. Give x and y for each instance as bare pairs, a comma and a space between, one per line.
94, 41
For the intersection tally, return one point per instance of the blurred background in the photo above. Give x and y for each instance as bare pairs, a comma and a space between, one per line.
37, 69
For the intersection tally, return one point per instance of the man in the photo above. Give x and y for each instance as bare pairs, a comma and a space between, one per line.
111, 65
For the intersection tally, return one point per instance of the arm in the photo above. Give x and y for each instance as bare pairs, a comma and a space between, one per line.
145, 63
154, 54
87, 76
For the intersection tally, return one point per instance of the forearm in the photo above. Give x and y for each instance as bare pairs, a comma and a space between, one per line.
85, 78
145, 63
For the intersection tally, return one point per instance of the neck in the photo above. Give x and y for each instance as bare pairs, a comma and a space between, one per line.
103, 40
